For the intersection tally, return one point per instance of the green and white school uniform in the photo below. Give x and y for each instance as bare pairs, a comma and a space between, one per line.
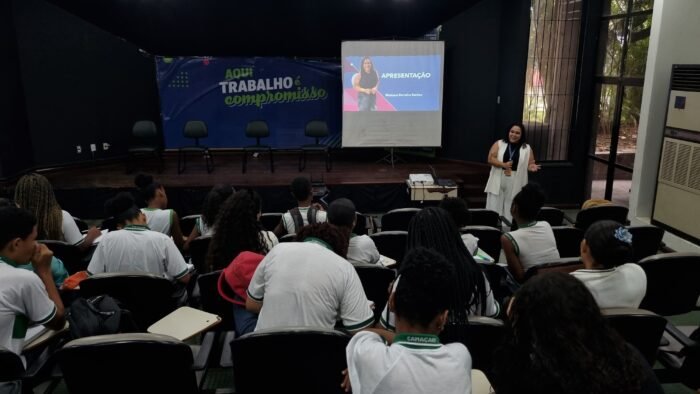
160, 220
361, 249
534, 244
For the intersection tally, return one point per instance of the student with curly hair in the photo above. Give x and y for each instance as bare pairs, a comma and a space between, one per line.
212, 203
309, 283
238, 229
558, 342
606, 250
361, 248
158, 217
433, 228
34, 193
412, 360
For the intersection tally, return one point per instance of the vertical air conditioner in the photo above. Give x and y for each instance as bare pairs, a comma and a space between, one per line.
677, 199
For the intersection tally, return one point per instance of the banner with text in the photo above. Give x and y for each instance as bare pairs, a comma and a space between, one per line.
227, 93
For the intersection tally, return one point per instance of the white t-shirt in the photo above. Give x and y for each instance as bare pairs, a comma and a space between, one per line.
471, 242
159, 220
361, 249
414, 363
71, 232
203, 228
534, 244
288, 222
306, 284
388, 319
618, 287
138, 249
23, 299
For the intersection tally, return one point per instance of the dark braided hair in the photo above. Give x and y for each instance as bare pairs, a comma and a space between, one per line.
35, 194
236, 229
433, 228
558, 342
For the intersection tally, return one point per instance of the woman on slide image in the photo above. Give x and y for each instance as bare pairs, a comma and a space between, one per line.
365, 83
511, 158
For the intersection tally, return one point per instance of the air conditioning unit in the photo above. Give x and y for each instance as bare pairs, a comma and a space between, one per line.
677, 199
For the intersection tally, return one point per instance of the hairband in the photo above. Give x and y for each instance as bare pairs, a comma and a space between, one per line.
623, 235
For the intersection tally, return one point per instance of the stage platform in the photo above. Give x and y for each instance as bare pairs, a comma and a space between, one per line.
374, 186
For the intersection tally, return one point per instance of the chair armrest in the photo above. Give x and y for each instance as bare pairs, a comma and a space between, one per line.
681, 337
202, 358
505, 221
226, 360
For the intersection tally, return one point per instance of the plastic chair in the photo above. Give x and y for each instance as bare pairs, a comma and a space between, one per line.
375, 282
568, 240
124, 363
551, 215
646, 241
485, 217
72, 257
364, 224
391, 244
489, 238
187, 223
673, 287
145, 135
305, 359
640, 328
199, 247
565, 265
257, 129
194, 129
398, 219
588, 216
481, 336
288, 238
316, 129
270, 220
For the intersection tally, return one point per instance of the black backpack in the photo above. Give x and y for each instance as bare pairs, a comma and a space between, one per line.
98, 315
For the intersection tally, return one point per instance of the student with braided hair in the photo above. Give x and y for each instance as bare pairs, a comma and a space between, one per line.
237, 229
159, 218
433, 228
34, 193
606, 250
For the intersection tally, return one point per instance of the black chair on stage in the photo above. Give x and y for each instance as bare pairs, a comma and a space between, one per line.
306, 359
257, 129
270, 220
646, 241
485, 217
588, 216
568, 240
316, 129
195, 129
145, 135
391, 244
489, 239
375, 282
640, 328
398, 219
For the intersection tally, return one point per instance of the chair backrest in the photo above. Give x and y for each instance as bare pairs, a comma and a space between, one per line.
257, 129
122, 363
398, 219
363, 224
391, 244
109, 224
482, 336
82, 226
12, 366
270, 220
375, 281
588, 216
288, 238
568, 240
640, 328
187, 223
646, 241
144, 129
316, 129
305, 359
212, 302
565, 265
195, 129
148, 297
551, 215
72, 257
489, 238
485, 217
673, 287
199, 247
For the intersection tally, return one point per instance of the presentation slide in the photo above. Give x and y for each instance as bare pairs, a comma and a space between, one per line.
392, 93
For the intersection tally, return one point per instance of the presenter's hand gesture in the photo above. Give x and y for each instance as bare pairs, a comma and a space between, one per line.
373, 90
533, 167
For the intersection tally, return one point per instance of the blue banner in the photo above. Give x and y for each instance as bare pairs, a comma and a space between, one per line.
227, 93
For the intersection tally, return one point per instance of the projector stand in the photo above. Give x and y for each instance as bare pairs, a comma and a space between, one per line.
391, 158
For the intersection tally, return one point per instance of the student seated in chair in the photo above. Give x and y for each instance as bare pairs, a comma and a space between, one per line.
306, 212
533, 242
412, 360
134, 247
158, 217
606, 250
25, 296
361, 248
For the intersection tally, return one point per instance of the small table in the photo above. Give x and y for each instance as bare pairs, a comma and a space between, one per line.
419, 192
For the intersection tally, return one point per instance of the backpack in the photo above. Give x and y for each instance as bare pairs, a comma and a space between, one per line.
98, 315
299, 221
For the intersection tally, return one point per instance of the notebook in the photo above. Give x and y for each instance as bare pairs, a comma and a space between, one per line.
184, 323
